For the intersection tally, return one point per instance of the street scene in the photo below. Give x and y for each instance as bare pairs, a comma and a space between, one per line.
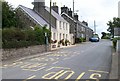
90, 61
59, 40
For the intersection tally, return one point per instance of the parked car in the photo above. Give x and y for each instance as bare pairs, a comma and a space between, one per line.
94, 39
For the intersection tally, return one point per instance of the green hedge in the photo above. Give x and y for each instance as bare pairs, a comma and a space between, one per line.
17, 38
80, 40
115, 41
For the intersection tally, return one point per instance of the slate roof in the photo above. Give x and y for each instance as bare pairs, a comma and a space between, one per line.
76, 21
56, 15
34, 15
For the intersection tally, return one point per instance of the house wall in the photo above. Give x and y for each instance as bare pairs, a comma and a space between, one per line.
63, 29
26, 20
40, 8
71, 25
46, 16
61, 32
89, 33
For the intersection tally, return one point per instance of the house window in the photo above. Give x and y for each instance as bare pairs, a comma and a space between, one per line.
63, 36
60, 36
82, 35
66, 36
66, 27
60, 25
63, 25
54, 37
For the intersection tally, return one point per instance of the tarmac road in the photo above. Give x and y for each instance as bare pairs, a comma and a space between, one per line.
90, 60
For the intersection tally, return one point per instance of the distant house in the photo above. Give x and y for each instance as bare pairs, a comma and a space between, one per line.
40, 15
77, 28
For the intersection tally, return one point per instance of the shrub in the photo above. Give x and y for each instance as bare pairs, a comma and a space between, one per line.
81, 39
77, 40
84, 40
115, 41
51, 41
17, 38
67, 42
61, 42
55, 41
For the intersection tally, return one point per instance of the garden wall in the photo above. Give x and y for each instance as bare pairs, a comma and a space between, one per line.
21, 52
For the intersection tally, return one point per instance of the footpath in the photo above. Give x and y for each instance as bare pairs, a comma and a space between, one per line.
115, 72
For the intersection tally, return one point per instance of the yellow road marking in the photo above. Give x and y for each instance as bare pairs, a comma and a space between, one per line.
55, 74
34, 70
95, 74
80, 76
98, 71
33, 67
30, 78
57, 68
70, 75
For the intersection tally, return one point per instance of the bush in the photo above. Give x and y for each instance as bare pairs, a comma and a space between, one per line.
61, 42
67, 42
17, 38
115, 41
77, 40
82, 39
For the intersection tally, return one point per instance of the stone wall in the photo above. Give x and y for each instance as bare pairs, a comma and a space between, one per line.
118, 51
21, 52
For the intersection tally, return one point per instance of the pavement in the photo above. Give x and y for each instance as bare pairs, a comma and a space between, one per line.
115, 72
83, 61
114, 66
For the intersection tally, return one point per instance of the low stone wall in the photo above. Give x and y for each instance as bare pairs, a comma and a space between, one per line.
118, 51
118, 46
14, 53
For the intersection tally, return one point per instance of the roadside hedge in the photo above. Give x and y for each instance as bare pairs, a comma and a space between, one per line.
17, 38
115, 41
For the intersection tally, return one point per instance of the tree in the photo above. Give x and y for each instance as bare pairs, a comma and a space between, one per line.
112, 24
8, 15
103, 35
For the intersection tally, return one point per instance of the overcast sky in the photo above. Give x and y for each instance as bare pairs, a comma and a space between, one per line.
89, 10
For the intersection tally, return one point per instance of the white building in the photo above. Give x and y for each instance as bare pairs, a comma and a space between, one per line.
40, 15
62, 31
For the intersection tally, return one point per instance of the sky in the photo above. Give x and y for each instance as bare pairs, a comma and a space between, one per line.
89, 10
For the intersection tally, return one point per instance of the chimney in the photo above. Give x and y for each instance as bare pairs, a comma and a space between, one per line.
75, 16
85, 23
70, 13
64, 9
55, 8
39, 5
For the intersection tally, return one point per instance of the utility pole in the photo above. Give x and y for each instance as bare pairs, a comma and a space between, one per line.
73, 7
94, 26
50, 23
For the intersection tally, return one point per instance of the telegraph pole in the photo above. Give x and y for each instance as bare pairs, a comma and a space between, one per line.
50, 23
94, 26
73, 7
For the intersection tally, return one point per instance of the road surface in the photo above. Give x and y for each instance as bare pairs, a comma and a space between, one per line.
90, 60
